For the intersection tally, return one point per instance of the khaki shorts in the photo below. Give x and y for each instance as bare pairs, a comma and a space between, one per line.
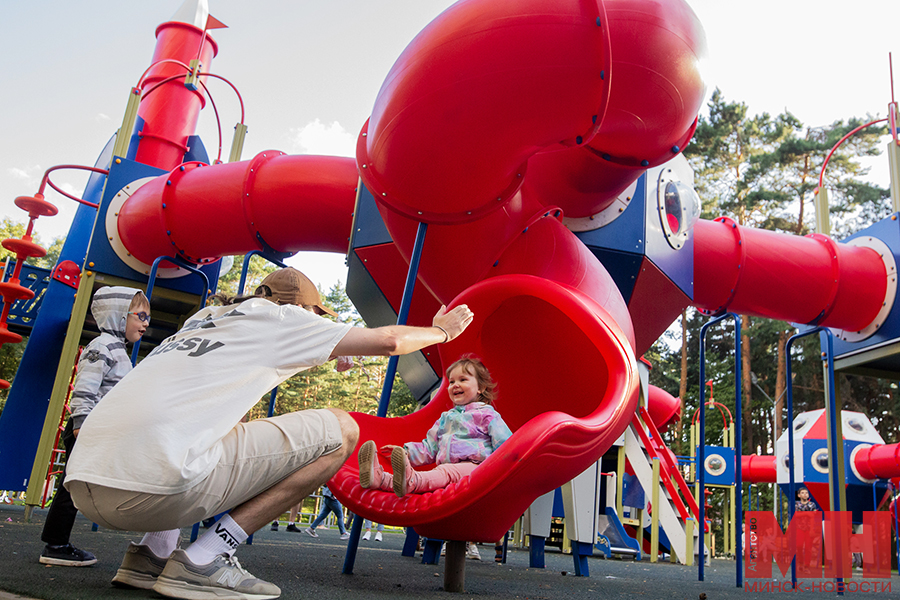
255, 456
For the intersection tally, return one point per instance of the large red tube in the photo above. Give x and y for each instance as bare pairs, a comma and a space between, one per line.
799, 279
878, 462
170, 113
663, 407
480, 90
655, 94
758, 469
286, 203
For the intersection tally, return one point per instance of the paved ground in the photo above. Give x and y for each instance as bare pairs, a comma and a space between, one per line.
311, 568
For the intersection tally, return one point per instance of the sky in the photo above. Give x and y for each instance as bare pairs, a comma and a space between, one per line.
309, 73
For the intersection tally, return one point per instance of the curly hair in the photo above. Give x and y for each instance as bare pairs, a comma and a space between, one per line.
473, 366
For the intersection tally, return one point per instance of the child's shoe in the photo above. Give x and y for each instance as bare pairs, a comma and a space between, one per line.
371, 475
404, 474
378, 537
498, 553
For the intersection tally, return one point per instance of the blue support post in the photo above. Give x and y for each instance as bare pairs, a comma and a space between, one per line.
738, 442
580, 552
411, 542
432, 553
536, 551
411, 275
826, 341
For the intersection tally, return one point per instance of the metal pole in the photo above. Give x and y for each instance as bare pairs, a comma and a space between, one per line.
701, 441
356, 530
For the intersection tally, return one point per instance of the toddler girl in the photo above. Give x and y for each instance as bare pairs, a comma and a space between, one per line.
461, 439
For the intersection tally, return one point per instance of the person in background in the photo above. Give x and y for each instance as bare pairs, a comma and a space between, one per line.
330, 504
122, 315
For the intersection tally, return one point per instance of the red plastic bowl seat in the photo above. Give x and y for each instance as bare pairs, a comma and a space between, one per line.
568, 387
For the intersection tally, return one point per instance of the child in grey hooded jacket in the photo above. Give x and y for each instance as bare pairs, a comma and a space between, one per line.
122, 315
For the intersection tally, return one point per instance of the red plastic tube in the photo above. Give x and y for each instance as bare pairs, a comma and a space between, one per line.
655, 94
758, 469
286, 203
170, 114
664, 408
878, 462
799, 279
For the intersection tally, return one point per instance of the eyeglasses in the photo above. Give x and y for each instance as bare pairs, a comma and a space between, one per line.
142, 316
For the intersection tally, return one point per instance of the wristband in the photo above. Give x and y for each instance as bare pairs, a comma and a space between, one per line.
446, 335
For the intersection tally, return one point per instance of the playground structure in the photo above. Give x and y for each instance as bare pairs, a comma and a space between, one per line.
582, 244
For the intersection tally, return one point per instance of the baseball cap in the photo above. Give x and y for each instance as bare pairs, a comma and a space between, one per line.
290, 286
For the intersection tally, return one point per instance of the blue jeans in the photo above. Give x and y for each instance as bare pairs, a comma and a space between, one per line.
330, 505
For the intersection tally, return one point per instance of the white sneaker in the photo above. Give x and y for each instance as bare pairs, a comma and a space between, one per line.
345, 536
367, 535
378, 537
222, 578
472, 551
310, 532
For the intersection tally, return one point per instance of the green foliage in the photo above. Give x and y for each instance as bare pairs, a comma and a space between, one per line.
763, 171
13, 229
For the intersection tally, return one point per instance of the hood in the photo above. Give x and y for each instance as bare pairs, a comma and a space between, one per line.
110, 308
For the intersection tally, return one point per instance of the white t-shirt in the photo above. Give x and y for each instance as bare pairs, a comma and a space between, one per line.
158, 430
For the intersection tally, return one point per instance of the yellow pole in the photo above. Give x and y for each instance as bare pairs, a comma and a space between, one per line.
123, 136
893, 152
620, 476
654, 518
689, 541
58, 394
734, 524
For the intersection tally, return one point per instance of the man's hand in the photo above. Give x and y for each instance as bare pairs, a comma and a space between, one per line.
453, 322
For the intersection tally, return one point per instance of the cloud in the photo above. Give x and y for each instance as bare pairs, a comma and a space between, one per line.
316, 138
28, 174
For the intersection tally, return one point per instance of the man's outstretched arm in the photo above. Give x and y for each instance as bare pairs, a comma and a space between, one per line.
403, 339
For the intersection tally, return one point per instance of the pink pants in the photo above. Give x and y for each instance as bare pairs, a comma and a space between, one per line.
439, 477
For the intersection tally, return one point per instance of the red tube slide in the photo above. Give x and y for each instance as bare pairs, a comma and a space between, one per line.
758, 469
287, 203
663, 407
800, 279
655, 94
877, 462
526, 328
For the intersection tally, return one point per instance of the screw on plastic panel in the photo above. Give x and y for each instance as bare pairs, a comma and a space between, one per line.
645, 163
578, 140
602, 74
605, 156
675, 149
599, 24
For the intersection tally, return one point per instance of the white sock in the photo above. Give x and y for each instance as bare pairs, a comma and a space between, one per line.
223, 537
161, 543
